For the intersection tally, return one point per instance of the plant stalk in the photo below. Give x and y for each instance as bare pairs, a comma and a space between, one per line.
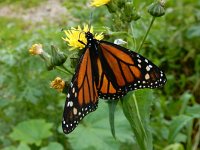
63, 70
144, 38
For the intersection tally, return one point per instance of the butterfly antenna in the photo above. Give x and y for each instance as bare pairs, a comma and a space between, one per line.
80, 32
90, 21
79, 38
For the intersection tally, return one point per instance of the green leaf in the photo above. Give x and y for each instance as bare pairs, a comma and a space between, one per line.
112, 105
53, 146
4, 103
32, 131
94, 131
184, 100
175, 146
177, 124
9, 148
137, 110
193, 111
23, 146
193, 31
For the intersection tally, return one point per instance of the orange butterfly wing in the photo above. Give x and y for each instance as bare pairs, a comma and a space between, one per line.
82, 94
122, 70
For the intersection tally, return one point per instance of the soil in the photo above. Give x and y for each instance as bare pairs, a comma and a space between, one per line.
50, 11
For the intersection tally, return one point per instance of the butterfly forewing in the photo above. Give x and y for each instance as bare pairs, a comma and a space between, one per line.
123, 70
82, 95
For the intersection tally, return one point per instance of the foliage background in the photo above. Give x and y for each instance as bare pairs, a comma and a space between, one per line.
31, 112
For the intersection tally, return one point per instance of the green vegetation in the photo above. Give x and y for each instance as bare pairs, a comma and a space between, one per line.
166, 118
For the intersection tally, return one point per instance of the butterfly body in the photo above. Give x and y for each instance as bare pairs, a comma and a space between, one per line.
108, 71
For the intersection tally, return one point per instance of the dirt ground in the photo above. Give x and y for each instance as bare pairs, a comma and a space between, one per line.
49, 11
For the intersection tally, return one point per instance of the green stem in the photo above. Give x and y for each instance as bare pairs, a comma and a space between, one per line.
138, 115
197, 137
62, 66
189, 134
153, 18
62, 70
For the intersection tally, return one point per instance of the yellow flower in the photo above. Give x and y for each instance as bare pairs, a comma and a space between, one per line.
98, 3
75, 35
36, 49
58, 84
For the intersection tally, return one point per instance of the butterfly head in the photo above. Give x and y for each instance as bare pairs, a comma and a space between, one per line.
89, 36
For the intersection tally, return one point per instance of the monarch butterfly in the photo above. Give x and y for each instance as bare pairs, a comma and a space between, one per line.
108, 71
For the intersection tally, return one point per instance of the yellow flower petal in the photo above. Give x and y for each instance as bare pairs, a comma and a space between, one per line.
36, 49
98, 3
75, 35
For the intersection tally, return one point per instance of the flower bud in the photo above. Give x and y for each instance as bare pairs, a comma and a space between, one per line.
58, 57
120, 3
36, 49
112, 7
58, 84
130, 13
128, 8
157, 9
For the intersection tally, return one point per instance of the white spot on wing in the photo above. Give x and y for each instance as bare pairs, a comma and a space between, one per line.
74, 111
150, 66
68, 95
147, 76
147, 68
75, 95
73, 90
70, 103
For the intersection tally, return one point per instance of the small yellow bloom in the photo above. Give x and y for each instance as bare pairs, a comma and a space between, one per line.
36, 49
75, 35
58, 84
98, 3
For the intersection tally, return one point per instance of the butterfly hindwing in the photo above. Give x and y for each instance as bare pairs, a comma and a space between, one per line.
82, 94
122, 70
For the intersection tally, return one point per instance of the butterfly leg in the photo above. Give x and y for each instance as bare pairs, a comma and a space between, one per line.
82, 42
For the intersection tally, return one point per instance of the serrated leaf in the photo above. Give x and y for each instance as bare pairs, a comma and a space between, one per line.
32, 131
177, 124
94, 131
53, 146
